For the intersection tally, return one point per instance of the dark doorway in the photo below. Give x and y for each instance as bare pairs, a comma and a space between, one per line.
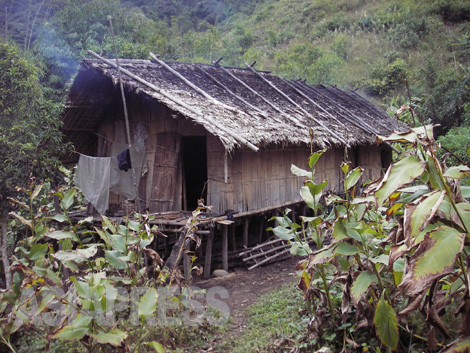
194, 171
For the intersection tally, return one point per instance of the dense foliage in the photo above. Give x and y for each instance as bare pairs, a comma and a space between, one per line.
392, 264
95, 284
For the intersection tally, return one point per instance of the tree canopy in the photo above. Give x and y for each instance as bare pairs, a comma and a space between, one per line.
29, 138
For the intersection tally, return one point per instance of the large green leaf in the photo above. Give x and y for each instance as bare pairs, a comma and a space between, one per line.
307, 196
22, 219
457, 172
284, 233
114, 337
339, 230
361, 284
419, 213
36, 191
352, 178
113, 257
386, 323
148, 303
464, 212
314, 157
75, 330
68, 198
434, 258
70, 333
346, 249
118, 242
301, 172
60, 218
77, 256
435, 179
59, 235
399, 174
38, 251
109, 224
316, 189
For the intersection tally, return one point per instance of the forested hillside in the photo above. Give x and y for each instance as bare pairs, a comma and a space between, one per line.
374, 46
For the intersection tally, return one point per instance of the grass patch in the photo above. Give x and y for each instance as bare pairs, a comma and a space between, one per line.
277, 321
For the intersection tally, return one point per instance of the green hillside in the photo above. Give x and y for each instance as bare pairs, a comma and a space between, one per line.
374, 46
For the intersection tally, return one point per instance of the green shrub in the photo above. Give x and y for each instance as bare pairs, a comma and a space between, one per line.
384, 79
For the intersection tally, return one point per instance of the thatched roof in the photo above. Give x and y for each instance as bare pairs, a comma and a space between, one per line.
239, 106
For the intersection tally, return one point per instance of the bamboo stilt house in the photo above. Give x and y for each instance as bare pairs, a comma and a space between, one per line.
228, 135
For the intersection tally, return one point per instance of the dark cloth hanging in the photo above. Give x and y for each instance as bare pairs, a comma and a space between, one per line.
124, 160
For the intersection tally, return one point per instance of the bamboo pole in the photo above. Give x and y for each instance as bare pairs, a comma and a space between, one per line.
192, 85
277, 240
268, 259
264, 99
264, 114
313, 102
269, 251
297, 105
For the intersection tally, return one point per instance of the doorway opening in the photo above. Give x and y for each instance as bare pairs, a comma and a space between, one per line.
194, 171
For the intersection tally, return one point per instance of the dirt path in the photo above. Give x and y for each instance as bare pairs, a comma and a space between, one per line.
245, 287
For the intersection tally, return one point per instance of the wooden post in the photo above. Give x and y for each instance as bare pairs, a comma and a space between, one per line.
246, 225
260, 229
187, 266
225, 247
233, 237
293, 215
208, 258
276, 214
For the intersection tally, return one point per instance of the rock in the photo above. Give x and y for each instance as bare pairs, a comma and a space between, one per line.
220, 273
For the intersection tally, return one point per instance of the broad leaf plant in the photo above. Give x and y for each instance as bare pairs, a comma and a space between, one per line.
391, 261
70, 276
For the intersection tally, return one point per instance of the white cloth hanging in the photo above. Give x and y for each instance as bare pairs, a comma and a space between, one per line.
94, 177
